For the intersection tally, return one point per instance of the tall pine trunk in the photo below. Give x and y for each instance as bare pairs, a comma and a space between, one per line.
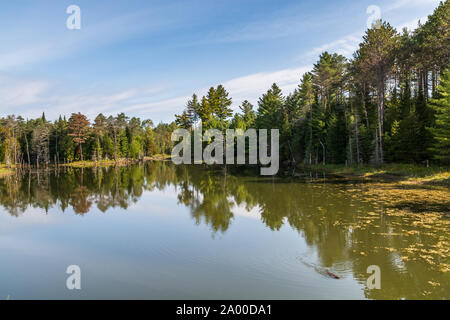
28, 149
380, 102
98, 148
310, 135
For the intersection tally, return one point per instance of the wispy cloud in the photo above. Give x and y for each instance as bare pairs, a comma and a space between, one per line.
31, 97
398, 4
265, 30
17, 92
249, 87
412, 24
43, 46
344, 46
348, 44
145, 101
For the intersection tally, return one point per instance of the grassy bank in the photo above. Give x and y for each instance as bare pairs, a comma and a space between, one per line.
158, 157
405, 173
119, 162
89, 163
103, 163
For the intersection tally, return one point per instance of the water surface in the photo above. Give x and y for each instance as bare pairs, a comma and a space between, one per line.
159, 231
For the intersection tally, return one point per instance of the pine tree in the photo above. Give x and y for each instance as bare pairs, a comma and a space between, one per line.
100, 130
269, 109
307, 100
337, 137
183, 120
248, 114
377, 54
441, 130
192, 109
78, 127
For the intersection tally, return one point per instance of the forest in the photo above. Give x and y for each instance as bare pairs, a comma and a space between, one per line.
389, 103
38, 141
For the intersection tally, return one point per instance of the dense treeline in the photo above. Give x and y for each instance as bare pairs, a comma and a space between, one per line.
39, 141
388, 103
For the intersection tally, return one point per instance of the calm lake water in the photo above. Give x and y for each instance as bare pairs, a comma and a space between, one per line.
159, 231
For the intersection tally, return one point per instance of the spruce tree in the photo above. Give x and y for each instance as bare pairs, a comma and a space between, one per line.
441, 130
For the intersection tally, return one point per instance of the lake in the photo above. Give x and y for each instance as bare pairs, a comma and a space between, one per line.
160, 231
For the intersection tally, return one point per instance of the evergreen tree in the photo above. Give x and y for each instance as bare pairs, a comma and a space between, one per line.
377, 53
78, 129
441, 131
269, 109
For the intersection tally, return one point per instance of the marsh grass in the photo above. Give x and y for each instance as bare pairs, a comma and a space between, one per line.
119, 162
103, 163
405, 173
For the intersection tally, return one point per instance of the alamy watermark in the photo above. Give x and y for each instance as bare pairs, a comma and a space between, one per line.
374, 280
73, 22
74, 280
222, 149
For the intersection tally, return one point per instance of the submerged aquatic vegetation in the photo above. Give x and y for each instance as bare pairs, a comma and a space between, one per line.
418, 216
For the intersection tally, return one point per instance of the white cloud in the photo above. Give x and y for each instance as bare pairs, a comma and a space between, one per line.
174, 104
252, 86
398, 4
348, 44
158, 103
344, 46
249, 87
14, 92
37, 47
30, 98
412, 24
277, 28
21, 56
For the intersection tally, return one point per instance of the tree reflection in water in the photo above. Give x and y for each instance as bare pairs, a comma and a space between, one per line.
347, 231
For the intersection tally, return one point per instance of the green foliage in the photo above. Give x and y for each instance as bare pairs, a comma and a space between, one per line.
337, 138
270, 105
123, 144
402, 144
245, 119
441, 131
42, 142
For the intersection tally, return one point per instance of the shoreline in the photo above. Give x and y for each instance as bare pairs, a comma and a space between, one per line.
402, 174
119, 162
86, 164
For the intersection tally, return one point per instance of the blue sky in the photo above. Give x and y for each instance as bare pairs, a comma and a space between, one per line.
145, 58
